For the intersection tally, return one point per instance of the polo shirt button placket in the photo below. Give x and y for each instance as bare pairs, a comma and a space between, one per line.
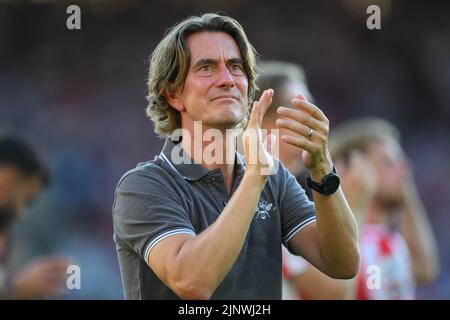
211, 183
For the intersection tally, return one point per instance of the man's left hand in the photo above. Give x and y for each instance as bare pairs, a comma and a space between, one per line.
311, 127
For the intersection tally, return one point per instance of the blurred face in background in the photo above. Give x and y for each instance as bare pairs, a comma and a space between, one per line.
290, 155
358, 181
392, 170
17, 191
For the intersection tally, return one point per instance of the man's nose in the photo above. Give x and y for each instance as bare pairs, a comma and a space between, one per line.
224, 77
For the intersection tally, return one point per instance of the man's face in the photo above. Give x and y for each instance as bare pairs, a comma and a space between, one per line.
391, 169
17, 191
216, 85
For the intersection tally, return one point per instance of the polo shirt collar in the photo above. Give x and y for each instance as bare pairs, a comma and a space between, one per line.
185, 166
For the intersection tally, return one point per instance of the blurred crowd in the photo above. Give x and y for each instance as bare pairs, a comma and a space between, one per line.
80, 97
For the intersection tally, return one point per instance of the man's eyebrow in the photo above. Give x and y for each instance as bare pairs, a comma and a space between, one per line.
235, 60
207, 61
203, 62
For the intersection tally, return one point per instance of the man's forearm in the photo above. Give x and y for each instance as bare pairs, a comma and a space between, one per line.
206, 259
337, 234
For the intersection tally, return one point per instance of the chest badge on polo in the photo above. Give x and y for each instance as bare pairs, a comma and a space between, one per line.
263, 210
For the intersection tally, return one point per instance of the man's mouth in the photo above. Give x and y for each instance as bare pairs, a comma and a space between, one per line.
225, 97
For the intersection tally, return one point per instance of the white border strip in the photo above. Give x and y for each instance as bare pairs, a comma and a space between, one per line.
298, 228
162, 236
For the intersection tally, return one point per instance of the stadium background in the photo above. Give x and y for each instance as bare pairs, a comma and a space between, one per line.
80, 96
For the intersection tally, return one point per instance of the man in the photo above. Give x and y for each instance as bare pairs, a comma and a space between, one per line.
300, 279
397, 242
187, 227
22, 177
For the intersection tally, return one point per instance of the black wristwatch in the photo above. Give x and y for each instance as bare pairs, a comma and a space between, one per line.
327, 186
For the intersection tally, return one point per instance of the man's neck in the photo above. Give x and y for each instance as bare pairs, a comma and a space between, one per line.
212, 154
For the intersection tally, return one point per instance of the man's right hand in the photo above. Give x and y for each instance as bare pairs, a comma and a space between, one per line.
257, 157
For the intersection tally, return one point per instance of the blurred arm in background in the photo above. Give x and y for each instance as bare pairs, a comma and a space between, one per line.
416, 229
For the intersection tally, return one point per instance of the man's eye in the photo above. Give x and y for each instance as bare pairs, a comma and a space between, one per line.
236, 67
205, 68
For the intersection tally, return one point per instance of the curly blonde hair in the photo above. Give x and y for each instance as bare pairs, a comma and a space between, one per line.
170, 61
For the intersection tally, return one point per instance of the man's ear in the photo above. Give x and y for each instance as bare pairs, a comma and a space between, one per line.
172, 96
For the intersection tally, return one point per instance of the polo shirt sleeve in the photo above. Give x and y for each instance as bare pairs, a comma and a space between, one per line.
297, 211
147, 210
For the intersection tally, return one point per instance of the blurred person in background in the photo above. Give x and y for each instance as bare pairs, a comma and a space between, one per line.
301, 280
396, 236
22, 178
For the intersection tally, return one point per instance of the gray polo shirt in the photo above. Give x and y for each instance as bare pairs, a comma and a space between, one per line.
163, 197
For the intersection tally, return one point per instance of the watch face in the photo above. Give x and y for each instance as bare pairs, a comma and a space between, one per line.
329, 184
332, 184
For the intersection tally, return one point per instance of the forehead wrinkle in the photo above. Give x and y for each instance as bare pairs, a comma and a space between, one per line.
213, 47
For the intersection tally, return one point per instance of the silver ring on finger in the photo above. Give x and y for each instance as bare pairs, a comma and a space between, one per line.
310, 132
